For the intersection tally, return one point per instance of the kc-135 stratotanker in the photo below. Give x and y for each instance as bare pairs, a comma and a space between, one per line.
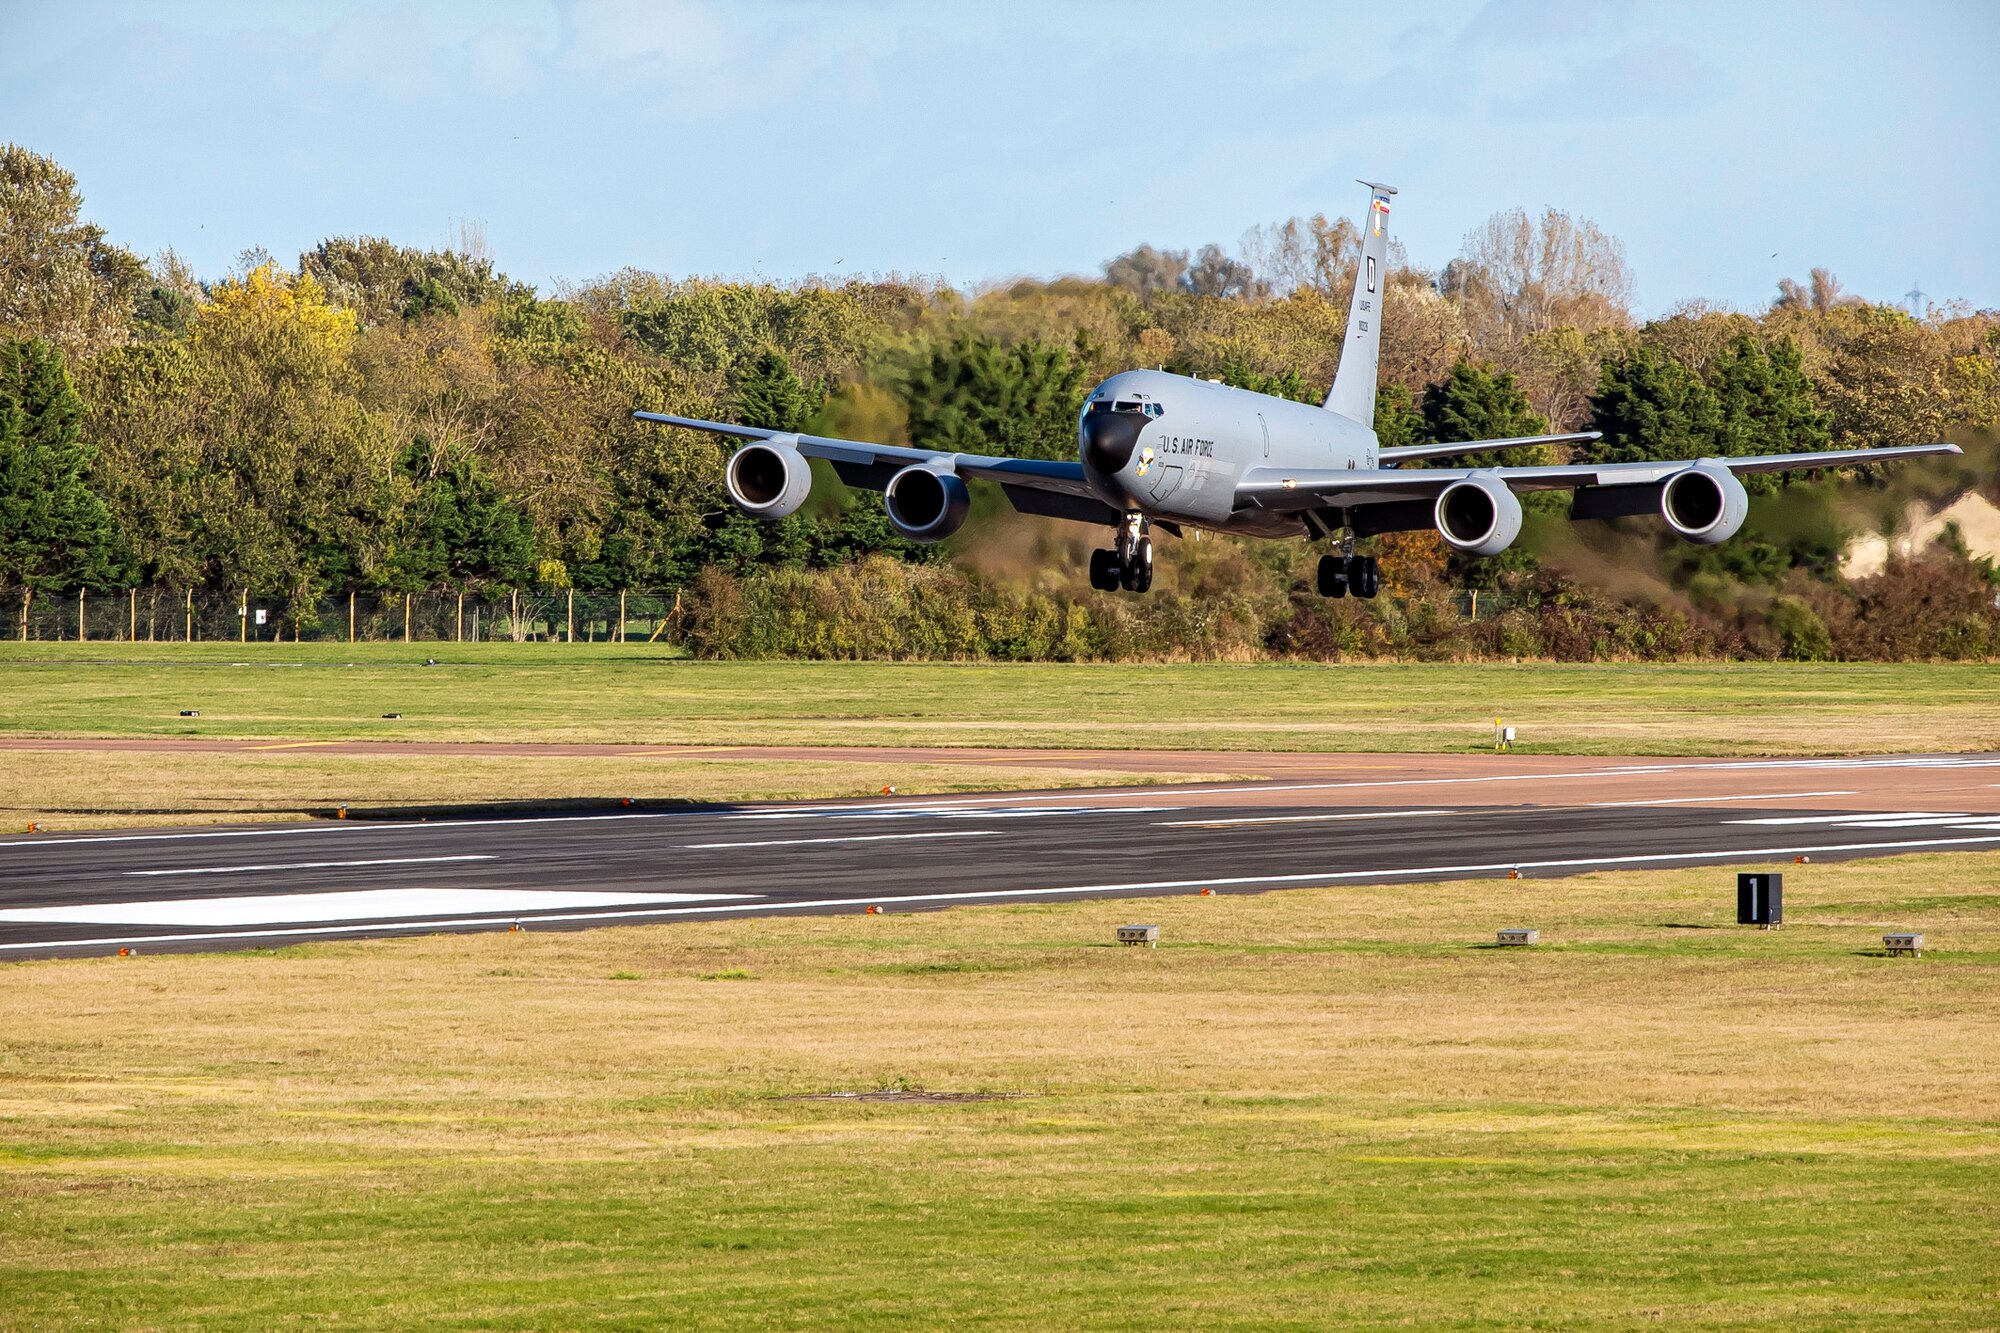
1168, 451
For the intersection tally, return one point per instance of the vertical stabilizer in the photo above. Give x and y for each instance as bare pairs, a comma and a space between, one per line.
1353, 391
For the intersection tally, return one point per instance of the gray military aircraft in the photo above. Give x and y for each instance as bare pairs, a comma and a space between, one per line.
1168, 451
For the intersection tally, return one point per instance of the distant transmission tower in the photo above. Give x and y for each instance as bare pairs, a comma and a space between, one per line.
1919, 300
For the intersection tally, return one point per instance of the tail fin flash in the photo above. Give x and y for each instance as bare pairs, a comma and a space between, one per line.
1353, 391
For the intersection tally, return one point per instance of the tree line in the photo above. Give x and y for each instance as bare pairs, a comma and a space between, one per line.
385, 419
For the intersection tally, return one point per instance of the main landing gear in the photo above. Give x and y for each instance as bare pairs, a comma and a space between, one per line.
1130, 564
1341, 574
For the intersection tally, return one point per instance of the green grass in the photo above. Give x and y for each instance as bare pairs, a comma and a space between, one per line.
1319, 1108
541, 692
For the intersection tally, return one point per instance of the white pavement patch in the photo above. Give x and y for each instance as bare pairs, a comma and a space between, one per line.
315, 865
348, 905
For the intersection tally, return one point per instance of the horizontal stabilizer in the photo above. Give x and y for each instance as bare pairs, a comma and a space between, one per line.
1404, 453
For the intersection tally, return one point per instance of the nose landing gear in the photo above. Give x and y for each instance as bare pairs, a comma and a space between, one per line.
1130, 564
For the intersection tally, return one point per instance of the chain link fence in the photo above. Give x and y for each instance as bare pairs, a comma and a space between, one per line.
210, 615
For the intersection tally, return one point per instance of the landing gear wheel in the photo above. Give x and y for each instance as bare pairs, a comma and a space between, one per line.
1333, 572
1138, 572
1105, 575
1365, 576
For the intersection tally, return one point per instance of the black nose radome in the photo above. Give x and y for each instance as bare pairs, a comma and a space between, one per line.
1109, 438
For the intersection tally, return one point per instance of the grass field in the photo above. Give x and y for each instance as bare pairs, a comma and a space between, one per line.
1315, 1108
540, 692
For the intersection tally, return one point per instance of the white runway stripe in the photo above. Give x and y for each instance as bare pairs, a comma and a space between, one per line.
1717, 800
976, 895
316, 865
352, 905
1294, 819
861, 837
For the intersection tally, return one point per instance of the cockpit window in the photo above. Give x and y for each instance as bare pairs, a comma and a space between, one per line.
1126, 405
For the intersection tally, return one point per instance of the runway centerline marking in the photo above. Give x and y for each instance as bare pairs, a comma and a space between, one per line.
317, 865
1716, 800
1324, 877
860, 837
1294, 819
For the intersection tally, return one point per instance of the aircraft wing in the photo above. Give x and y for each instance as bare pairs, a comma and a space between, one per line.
1329, 488
870, 466
1405, 452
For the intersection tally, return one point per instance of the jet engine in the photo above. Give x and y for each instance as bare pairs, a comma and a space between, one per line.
1479, 515
1704, 503
769, 479
926, 505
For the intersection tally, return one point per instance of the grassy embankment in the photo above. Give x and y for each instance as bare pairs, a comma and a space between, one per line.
1316, 1108
289, 694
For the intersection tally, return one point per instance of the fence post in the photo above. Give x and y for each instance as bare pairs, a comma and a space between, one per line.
187, 631
570, 634
1475, 604
81, 635
132, 605
243, 617
621, 615
406, 617
458, 619
350, 615
27, 596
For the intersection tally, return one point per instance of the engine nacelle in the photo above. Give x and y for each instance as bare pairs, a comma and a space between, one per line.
1705, 503
769, 479
926, 505
1479, 515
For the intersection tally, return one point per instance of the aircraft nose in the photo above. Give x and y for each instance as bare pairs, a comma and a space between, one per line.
1109, 439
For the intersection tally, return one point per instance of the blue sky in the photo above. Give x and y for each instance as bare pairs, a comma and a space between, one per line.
1727, 145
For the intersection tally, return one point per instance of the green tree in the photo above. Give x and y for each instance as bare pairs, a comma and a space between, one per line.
770, 394
1398, 420
1649, 406
456, 527
381, 281
1766, 400
1473, 403
55, 531
59, 279
974, 396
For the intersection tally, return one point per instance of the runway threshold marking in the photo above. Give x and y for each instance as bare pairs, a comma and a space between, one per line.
1716, 800
973, 895
346, 905
861, 837
1294, 819
316, 865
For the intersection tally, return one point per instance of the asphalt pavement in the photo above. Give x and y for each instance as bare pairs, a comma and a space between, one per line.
220, 888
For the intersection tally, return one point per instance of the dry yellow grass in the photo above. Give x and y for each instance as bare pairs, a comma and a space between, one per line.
1307, 1108
66, 789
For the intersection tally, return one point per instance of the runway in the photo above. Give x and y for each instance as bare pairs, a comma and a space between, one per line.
1318, 820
